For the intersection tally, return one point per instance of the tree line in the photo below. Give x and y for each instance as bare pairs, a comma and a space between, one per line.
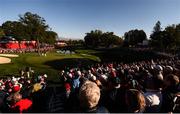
97, 38
169, 38
29, 26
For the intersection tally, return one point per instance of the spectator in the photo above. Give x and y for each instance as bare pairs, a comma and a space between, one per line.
169, 93
153, 95
135, 101
89, 95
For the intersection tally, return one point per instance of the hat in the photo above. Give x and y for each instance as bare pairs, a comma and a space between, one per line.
158, 67
93, 78
45, 75
16, 88
36, 87
104, 77
14, 79
169, 68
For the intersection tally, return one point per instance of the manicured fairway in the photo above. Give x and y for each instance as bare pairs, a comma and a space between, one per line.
49, 64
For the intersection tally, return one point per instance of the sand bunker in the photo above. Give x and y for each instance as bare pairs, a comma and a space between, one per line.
4, 60
9, 55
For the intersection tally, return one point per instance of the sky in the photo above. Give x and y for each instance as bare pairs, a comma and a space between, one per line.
74, 18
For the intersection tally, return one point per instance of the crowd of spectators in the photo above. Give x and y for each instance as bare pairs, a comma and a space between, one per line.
146, 86
17, 93
27, 50
138, 87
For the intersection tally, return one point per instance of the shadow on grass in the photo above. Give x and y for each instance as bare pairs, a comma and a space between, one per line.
127, 55
69, 63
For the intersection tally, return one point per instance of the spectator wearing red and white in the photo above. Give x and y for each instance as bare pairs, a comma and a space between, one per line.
8, 84
15, 81
67, 89
16, 88
20, 105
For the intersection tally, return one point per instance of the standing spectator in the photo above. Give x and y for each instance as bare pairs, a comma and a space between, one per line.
169, 93
89, 95
153, 95
135, 101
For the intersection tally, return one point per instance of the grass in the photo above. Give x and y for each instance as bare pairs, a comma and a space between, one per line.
54, 62
51, 64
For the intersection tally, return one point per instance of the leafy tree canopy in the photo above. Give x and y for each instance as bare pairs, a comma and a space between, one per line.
29, 27
133, 37
98, 38
165, 39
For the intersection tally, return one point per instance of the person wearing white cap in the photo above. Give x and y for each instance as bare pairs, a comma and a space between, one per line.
158, 72
153, 95
167, 70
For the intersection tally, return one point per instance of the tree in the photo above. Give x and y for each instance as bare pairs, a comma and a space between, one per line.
50, 37
98, 38
157, 28
1, 32
14, 29
133, 37
157, 36
108, 39
35, 25
169, 38
29, 27
37, 29
177, 35
93, 38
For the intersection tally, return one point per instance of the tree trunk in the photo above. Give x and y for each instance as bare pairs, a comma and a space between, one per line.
38, 47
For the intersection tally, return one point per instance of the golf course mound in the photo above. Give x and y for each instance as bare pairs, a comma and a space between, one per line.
9, 55
4, 60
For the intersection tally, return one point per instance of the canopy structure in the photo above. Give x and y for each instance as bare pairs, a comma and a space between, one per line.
12, 43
